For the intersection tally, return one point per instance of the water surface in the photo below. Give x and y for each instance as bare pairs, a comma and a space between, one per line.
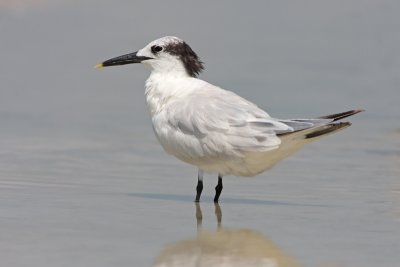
83, 181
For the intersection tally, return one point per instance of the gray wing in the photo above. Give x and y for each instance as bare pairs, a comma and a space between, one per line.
225, 123
302, 124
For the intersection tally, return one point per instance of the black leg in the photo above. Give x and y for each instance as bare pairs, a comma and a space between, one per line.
218, 189
199, 187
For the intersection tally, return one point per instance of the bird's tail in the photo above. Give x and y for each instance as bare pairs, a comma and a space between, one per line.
322, 126
304, 131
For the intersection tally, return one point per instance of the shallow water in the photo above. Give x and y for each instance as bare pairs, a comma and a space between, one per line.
83, 181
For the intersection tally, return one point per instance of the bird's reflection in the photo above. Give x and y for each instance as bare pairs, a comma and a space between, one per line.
224, 247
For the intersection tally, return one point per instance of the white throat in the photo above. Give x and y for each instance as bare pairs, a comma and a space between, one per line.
163, 86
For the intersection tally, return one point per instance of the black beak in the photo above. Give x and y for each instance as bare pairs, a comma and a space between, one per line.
123, 60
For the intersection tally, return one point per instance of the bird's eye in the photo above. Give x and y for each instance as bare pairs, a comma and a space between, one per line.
155, 49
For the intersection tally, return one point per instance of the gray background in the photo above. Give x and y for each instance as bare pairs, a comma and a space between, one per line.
83, 181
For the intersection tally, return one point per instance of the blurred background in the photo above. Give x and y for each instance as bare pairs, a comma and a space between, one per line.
83, 180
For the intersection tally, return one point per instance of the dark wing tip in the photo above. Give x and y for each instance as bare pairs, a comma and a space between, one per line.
339, 116
330, 128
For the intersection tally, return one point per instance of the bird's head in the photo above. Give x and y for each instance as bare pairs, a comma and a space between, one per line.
165, 55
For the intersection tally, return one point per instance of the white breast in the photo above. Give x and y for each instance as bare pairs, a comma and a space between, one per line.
162, 93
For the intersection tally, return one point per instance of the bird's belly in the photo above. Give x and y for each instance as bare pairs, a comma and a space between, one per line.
249, 165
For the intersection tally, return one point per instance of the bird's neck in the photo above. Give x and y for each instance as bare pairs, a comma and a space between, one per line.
161, 87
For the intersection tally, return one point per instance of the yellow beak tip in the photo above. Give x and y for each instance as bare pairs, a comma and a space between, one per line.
98, 66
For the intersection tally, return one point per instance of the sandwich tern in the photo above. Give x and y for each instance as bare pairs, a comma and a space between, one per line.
212, 128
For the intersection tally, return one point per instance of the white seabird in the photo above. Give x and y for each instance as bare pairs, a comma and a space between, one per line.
212, 128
